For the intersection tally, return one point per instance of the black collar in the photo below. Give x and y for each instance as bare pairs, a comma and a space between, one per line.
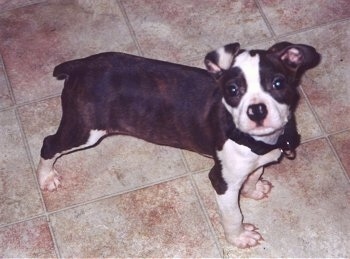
287, 142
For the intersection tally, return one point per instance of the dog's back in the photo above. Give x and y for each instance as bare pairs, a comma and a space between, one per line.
150, 99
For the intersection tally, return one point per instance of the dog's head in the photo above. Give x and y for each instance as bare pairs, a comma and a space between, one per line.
259, 87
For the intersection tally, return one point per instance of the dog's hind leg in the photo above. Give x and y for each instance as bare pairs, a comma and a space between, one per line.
63, 142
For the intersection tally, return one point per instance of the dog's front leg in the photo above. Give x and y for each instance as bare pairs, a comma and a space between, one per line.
227, 195
233, 164
255, 187
237, 233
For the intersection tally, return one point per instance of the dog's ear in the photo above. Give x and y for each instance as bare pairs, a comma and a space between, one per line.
221, 59
297, 58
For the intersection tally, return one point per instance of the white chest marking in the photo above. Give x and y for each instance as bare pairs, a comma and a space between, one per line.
239, 161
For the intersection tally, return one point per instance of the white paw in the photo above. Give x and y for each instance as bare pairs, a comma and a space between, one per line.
262, 188
50, 181
249, 237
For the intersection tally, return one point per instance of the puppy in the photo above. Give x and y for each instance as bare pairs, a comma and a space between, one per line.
240, 111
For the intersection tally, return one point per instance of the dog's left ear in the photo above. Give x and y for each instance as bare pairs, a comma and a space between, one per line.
219, 60
297, 58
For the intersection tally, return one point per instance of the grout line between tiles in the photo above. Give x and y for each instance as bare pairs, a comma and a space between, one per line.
48, 97
339, 131
206, 216
8, 85
54, 239
116, 194
325, 134
30, 158
313, 139
313, 111
30, 102
308, 29
42, 215
131, 30
33, 171
184, 161
203, 209
47, 213
21, 6
334, 151
14, 107
266, 20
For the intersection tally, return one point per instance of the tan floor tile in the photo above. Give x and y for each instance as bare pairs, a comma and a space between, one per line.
326, 86
27, 239
304, 215
11, 4
161, 221
117, 164
341, 143
40, 120
306, 121
38, 37
180, 30
197, 162
290, 15
5, 97
19, 197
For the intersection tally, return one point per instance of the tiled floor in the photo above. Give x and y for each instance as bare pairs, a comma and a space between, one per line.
130, 198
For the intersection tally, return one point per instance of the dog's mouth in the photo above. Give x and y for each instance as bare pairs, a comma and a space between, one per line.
272, 125
268, 135
259, 122
264, 131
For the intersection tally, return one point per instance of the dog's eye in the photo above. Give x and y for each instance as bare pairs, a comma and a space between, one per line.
233, 89
278, 83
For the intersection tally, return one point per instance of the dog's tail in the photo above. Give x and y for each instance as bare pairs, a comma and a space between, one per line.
64, 70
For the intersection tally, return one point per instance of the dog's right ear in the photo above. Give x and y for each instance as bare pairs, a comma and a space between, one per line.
297, 58
221, 59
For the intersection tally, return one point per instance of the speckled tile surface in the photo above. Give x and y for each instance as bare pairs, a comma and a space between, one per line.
19, 197
326, 86
304, 214
5, 96
11, 4
27, 239
196, 162
306, 121
286, 16
182, 29
37, 37
341, 142
129, 198
160, 221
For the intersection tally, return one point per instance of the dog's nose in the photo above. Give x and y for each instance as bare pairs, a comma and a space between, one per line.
257, 112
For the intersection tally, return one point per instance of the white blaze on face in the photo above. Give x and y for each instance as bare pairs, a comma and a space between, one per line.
278, 113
